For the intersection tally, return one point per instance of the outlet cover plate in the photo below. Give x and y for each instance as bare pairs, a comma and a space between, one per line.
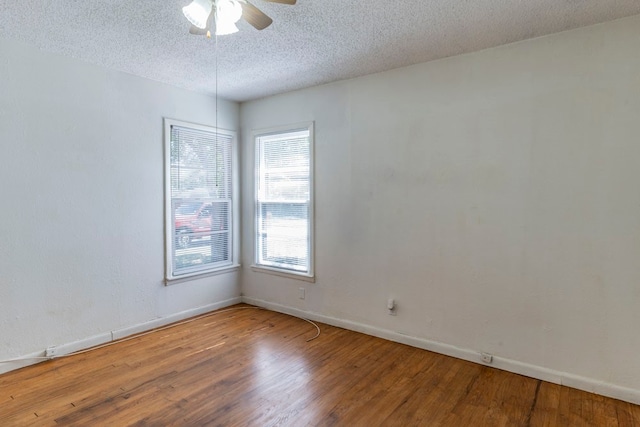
50, 352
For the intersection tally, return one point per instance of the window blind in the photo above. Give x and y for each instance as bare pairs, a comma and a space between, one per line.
283, 196
200, 190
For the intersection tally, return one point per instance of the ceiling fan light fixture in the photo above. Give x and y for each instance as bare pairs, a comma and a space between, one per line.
197, 12
225, 28
228, 12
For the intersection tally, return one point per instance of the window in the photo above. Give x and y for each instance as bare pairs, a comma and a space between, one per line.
284, 200
199, 211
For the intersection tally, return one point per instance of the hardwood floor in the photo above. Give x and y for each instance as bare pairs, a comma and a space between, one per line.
253, 367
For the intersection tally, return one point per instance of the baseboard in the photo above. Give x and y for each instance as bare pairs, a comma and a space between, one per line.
162, 321
68, 348
533, 371
22, 361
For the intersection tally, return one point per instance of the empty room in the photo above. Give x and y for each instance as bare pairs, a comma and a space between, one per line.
320, 213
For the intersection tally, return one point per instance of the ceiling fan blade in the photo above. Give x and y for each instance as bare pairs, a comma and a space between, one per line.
255, 16
282, 1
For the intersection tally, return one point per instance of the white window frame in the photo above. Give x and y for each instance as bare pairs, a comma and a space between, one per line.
308, 276
171, 276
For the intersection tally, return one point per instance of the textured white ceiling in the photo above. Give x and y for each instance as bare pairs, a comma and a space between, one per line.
313, 42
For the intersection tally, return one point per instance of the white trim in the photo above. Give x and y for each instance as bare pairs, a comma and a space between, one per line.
283, 273
176, 317
255, 134
83, 344
235, 202
63, 349
22, 361
550, 375
202, 274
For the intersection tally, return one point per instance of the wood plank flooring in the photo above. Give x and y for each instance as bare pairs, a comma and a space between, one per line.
250, 367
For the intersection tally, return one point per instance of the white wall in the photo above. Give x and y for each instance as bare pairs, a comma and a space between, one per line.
81, 223
494, 195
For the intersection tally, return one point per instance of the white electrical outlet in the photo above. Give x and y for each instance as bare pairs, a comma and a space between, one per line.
50, 352
486, 357
301, 293
391, 306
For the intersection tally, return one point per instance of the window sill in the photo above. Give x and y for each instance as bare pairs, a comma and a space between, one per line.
282, 273
200, 275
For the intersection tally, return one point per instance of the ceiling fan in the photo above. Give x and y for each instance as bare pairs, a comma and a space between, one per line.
225, 13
